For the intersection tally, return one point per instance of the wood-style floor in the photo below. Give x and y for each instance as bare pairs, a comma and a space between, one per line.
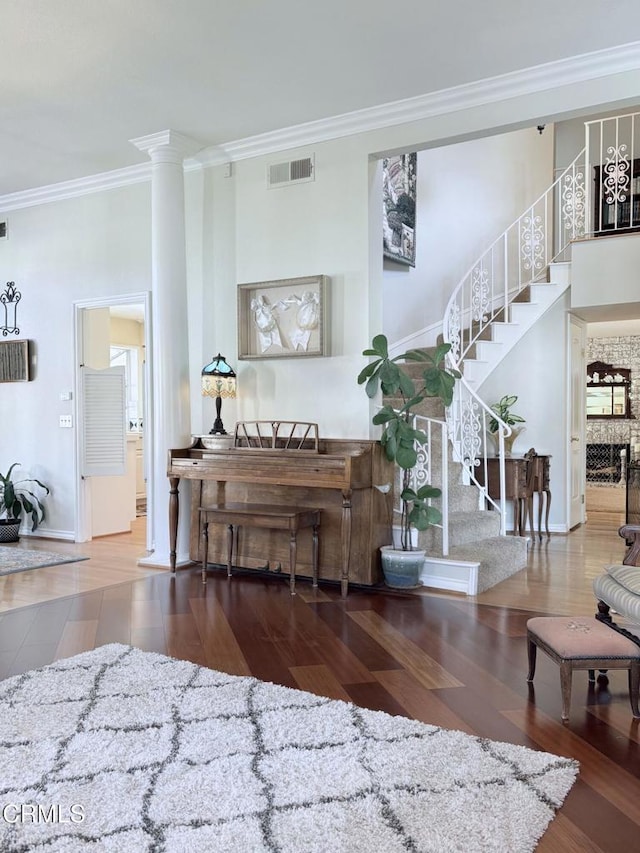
444, 659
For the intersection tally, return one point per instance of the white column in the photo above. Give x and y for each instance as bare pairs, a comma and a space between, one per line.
169, 404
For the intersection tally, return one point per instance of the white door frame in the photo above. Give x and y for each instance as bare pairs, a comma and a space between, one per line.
576, 436
82, 521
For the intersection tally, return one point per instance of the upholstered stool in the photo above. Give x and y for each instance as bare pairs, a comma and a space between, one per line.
582, 642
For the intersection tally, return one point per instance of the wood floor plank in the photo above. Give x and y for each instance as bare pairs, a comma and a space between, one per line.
49, 624
418, 702
618, 717
32, 657
300, 632
219, 642
77, 636
563, 836
145, 613
374, 696
608, 829
149, 639
14, 627
319, 680
370, 653
424, 669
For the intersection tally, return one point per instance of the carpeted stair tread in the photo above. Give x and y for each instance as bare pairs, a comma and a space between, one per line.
499, 558
464, 527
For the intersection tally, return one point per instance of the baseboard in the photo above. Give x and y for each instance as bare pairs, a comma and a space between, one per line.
48, 533
450, 575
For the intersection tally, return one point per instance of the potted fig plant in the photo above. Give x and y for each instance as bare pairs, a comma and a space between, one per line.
400, 439
16, 497
503, 410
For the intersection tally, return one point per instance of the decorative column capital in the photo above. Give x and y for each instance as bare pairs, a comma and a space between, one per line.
167, 146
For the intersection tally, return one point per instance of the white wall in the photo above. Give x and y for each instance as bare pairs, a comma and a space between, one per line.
71, 250
315, 228
467, 194
536, 372
606, 272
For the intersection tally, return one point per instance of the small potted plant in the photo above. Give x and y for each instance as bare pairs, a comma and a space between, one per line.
400, 439
503, 410
16, 497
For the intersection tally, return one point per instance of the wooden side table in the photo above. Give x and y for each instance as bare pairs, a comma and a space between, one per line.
538, 483
515, 475
524, 476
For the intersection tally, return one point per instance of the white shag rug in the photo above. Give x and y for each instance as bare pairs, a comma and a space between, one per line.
122, 750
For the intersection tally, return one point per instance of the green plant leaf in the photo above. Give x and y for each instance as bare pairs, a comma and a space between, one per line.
423, 515
425, 492
372, 387
366, 372
380, 346
383, 416
406, 457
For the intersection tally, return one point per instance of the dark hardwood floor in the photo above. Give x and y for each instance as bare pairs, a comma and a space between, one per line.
443, 659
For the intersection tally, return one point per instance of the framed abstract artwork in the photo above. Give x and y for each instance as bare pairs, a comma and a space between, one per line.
399, 208
287, 318
14, 361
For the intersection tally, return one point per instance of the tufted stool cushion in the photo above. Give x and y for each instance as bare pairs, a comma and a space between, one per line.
582, 642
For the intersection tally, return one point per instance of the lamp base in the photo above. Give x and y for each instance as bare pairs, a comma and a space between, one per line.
218, 426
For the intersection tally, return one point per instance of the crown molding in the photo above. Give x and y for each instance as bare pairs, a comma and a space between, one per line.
539, 78
563, 72
80, 186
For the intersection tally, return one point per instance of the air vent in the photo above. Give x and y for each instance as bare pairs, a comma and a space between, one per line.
4, 229
290, 172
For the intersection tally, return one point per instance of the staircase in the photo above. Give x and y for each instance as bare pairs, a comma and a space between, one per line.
503, 294
468, 553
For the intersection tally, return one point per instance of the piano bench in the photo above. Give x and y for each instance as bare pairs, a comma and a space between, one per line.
270, 516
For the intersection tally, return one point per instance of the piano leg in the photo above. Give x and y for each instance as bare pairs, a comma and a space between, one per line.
229, 549
346, 541
173, 521
205, 548
293, 554
314, 552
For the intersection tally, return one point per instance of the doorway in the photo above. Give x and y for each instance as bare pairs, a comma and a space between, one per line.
613, 437
113, 335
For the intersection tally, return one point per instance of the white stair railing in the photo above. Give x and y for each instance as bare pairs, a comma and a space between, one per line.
596, 195
431, 468
613, 160
517, 259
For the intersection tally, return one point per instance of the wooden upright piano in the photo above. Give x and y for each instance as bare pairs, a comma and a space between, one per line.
339, 477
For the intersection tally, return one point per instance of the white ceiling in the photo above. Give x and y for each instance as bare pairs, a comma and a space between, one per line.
81, 78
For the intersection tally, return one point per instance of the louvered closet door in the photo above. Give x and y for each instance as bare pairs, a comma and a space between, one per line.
102, 426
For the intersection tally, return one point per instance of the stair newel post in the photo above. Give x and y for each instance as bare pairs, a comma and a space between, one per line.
505, 297
503, 481
587, 184
444, 503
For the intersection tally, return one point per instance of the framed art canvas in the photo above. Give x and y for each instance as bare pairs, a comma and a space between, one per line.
14, 361
287, 318
399, 208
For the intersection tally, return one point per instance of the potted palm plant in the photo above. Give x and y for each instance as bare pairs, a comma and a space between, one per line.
16, 497
400, 439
